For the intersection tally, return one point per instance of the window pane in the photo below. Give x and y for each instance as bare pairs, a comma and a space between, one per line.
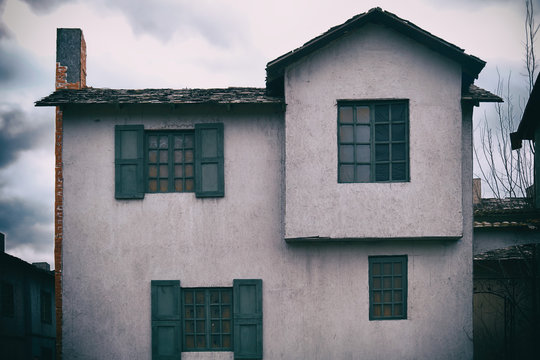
387, 310
382, 152
398, 132
179, 185
346, 173
363, 153
178, 171
227, 341
226, 326
397, 282
397, 295
189, 170
163, 171
190, 341
214, 311
398, 152
377, 283
199, 297
152, 142
398, 112
362, 133
201, 341
346, 134
226, 312
397, 268
377, 296
214, 297
163, 185
188, 156
215, 327
178, 142
346, 153
382, 172
188, 297
163, 156
189, 185
362, 173
152, 156
188, 141
152, 185
152, 171
345, 115
377, 310
200, 325
189, 312
398, 310
376, 268
362, 115
216, 343
398, 171
387, 296
163, 142
226, 297
387, 283
387, 269
381, 113
178, 156
190, 326
381, 133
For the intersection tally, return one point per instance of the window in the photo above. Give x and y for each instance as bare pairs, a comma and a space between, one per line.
8, 300
387, 287
150, 161
207, 319
373, 141
170, 161
46, 307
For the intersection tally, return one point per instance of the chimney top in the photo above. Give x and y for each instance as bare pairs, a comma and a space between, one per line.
42, 265
70, 59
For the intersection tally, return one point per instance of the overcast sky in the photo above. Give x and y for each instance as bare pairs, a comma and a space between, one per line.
179, 44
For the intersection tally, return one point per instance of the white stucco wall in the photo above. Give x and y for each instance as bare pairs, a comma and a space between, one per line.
315, 296
373, 63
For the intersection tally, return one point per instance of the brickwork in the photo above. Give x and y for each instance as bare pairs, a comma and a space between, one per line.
62, 83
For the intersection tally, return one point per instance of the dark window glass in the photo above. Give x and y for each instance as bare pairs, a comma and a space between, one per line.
388, 287
46, 307
207, 319
170, 161
373, 141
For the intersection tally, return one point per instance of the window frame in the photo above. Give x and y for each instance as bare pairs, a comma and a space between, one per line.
373, 163
170, 161
208, 319
385, 259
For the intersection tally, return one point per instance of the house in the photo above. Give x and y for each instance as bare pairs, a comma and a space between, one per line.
326, 216
27, 321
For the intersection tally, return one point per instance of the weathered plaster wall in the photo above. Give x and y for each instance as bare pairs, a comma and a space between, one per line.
373, 63
315, 296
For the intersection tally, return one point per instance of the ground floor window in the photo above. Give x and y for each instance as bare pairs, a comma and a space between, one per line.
387, 287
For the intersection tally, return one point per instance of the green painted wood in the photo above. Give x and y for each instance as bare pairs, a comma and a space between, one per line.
388, 276
166, 319
537, 168
248, 317
209, 161
129, 164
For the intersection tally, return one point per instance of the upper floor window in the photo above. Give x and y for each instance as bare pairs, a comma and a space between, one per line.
373, 141
150, 161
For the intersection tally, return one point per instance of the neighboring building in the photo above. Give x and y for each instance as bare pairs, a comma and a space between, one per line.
326, 216
27, 321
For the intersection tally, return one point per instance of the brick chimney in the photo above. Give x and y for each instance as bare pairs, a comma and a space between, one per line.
477, 191
70, 59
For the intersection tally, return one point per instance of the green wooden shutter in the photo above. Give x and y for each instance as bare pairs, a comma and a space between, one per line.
247, 298
166, 324
129, 149
209, 175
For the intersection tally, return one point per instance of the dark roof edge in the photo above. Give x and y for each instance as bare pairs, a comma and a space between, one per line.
531, 118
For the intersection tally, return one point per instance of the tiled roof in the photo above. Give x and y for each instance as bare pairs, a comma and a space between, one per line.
477, 94
509, 253
506, 213
232, 95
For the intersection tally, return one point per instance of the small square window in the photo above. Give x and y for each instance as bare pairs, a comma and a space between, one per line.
387, 287
373, 140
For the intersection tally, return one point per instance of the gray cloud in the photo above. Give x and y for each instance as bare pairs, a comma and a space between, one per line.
17, 133
45, 6
25, 223
162, 19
